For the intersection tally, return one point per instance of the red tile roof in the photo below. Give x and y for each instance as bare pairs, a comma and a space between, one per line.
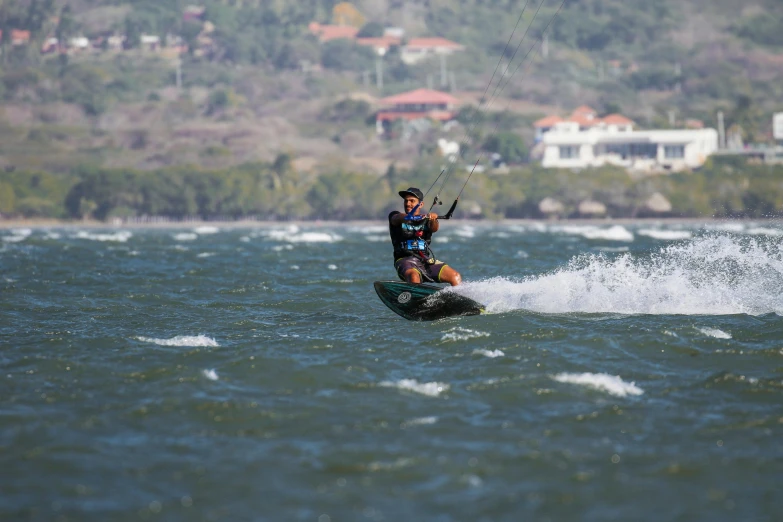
584, 120
616, 119
431, 43
333, 32
433, 115
420, 97
585, 117
18, 36
548, 121
584, 110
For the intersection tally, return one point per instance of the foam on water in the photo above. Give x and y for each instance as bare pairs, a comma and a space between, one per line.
716, 333
18, 235
665, 235
613, 249
726, 227
431, 389
764, 231
711, 275
182, 340
420, 421
489, 353
121, 236
462, 334
206, 229
614, 233
306, 237
206, 254
466, 231
211, 375
185, 236
611, 384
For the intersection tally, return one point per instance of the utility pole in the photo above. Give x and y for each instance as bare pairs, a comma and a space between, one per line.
672, 119
379, 69
443, 71
721, 131
545, 47
678, 75
179, 75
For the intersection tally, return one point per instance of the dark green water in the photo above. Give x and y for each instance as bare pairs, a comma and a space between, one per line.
252, 374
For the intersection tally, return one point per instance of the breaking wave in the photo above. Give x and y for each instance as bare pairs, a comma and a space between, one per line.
613, 233
611, 384
121, 236
430, 389
182, 340
711, 275
716, 333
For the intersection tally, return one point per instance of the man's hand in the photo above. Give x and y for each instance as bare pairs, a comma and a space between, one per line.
432, 222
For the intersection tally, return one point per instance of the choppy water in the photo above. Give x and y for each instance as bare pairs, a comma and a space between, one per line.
624, 373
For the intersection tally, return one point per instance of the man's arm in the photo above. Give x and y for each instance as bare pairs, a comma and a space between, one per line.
396, 219
433, 224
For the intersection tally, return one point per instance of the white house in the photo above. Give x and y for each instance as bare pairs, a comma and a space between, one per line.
585, 140
419, 49
639, 150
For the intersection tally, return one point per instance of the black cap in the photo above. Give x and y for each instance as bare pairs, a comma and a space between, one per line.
412, 191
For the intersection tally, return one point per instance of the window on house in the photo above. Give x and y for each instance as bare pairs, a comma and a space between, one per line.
673, 151
632, 150
569, 152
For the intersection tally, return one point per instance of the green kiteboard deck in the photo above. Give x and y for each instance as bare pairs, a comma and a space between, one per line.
423, 302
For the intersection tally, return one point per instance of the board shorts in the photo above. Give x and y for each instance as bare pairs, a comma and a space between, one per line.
428, 271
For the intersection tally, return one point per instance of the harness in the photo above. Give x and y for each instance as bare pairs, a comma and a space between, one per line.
418, 246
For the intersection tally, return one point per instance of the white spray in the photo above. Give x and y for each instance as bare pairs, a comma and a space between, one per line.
711, 275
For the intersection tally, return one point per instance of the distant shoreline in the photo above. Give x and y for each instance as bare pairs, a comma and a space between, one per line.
55, 223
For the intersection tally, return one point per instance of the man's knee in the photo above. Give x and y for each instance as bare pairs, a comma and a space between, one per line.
413, 276
451, 276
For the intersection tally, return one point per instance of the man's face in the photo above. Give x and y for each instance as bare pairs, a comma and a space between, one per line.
411, 202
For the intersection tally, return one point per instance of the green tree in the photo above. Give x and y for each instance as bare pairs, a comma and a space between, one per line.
344, 55
509, 145
66, 26
371, 30
7, 199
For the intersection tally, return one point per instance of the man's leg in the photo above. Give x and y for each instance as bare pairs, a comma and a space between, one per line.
450, 276
413, 276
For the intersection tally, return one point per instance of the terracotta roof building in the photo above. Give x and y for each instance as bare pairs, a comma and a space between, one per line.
582, 118
414, 105
18, 37
326, 33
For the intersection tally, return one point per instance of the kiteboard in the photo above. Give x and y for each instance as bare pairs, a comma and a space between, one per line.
423, 302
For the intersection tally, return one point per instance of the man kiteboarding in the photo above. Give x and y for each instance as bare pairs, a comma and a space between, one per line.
411, 234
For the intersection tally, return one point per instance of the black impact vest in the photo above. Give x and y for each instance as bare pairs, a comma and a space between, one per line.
407, 241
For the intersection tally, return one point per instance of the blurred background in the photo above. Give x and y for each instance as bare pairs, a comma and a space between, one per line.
249, 109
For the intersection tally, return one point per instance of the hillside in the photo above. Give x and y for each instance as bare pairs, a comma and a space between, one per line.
240, 81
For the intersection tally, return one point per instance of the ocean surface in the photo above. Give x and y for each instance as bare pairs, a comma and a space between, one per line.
210, 373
